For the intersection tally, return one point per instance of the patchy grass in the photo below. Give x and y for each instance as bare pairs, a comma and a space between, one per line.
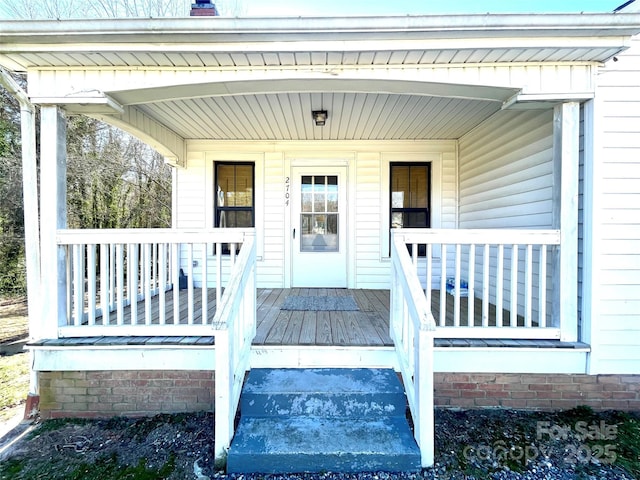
104, 468
14, 378
628, 452
14, 369
14, 323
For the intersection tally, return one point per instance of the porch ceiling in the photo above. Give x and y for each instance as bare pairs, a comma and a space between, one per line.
280, 108
352, 116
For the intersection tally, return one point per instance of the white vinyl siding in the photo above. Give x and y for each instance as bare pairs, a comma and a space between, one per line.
369, 223
506, 172
506, 178
271, 266
581, 220
616, 321
368, 197
189, 190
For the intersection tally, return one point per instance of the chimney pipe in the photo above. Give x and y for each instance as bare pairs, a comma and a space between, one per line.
204, 8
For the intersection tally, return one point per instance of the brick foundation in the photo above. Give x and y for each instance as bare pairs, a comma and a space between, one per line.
537, 392
127, 393
133, 393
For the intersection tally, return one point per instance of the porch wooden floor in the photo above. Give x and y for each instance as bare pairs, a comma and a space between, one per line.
368, 326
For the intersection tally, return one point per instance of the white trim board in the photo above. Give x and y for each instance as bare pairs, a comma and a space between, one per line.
446, 359
117, 359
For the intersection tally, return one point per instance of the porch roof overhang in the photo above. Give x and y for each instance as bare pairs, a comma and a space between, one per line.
261, 42
381, 78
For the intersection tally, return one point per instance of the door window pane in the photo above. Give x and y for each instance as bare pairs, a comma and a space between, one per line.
319, 202
306, 189
332, 193
319, 229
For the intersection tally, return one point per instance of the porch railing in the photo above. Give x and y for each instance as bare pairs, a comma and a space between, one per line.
235, 328
412, 329
488, 283
108, 270
129, 282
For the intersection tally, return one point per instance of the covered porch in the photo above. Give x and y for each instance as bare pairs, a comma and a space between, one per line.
230, 326
497, 115
501, 148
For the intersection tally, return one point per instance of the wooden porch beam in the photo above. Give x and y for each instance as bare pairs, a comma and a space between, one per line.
53, 208
566, 146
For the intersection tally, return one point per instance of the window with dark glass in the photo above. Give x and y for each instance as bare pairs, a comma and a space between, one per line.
410, 200
234, 196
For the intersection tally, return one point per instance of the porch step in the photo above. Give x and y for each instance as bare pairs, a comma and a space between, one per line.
325, 392
318, 420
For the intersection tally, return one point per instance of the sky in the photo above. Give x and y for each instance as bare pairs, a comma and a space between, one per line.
8, 8
419, 7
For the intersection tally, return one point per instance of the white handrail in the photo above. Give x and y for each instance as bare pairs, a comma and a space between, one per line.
150, 235
480, 236
235, 328
412, 329
503, 276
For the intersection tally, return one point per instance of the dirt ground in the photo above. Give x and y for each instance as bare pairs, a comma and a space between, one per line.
476, 444
164, 446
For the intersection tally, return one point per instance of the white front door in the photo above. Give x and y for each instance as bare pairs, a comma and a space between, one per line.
319, 227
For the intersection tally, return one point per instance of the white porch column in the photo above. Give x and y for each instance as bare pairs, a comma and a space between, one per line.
566, 150
31, 213
53, 208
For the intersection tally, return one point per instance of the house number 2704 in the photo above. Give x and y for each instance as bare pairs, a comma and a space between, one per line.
287, 188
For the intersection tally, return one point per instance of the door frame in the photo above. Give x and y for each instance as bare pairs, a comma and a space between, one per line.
326, 160
328, 269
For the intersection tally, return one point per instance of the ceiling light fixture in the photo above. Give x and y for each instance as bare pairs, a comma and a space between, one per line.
320, 117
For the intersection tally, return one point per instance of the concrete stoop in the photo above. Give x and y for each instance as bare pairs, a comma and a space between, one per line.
321, 420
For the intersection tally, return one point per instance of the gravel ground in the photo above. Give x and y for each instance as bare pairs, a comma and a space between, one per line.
476, 444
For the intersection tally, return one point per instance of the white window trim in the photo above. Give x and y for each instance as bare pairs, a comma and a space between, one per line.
435, 159
258, 160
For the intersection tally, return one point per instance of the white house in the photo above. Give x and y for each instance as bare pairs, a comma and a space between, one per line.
502, 150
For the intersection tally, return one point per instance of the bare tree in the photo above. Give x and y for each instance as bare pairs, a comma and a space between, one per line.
139, 8
12, 270
50, 9
64, 9
231, 8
